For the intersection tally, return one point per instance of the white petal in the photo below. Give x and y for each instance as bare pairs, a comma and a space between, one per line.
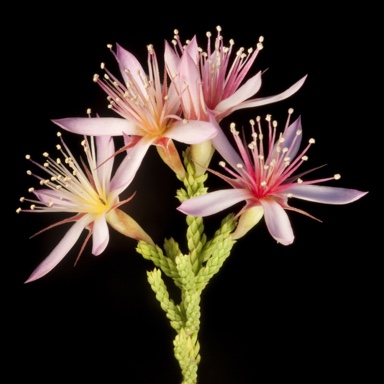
129, 166
61, 249
277, 222
192, 132
324, 194
271, 99
105, 149
248, 89
213, 202
100, 236
96, 126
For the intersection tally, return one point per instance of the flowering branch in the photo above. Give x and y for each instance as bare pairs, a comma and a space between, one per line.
198, 90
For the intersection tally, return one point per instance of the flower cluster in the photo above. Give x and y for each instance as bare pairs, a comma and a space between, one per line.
184, 106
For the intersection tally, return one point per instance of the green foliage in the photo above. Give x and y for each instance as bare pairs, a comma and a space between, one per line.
190, 272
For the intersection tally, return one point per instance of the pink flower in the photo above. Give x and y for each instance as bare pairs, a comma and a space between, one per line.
211, 84
150, 115
88, 193
265, 178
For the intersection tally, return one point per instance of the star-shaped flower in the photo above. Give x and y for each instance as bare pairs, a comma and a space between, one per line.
150, 114
88, 192
216, 76
264, 176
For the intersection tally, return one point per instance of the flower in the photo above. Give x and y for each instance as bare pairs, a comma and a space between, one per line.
89, 192
211, 84
211, 77
150, 114
264, 178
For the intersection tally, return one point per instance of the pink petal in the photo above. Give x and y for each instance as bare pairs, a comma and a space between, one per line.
105, 149
270, 99
277, 222
128, 61
193, 50
129, 166
289, 136
193, 99
100, 236
247, 90
171, 60
96, 126
225, 148
61, 249
324, 194
192, 132
47, 195
213, 202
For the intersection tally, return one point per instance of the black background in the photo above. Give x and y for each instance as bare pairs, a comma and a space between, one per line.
302, 312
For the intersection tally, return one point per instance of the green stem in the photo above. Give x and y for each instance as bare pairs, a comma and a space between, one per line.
190, 272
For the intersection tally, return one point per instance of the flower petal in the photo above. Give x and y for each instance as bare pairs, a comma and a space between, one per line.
277, 222
324, 194
271, 99
96, 126
61, 249
192, 98
129, 166
192, 132
213, 202
171, 60
289, 137
128, 61
247, 90
225, 148
105, 150
100, 235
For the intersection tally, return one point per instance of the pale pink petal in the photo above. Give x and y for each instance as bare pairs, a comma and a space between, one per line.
129, 166
61, 249
105, 150
246, 91
324, 194
128, 61
97, 126
289, 137
100, 235
270, 99
192, 132
50, 195
193, 50
171, 60
277, 222
213, 202
224, 147
193, 99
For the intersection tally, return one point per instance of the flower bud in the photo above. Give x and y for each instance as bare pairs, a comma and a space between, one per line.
124, 224
247, 221
201, 155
